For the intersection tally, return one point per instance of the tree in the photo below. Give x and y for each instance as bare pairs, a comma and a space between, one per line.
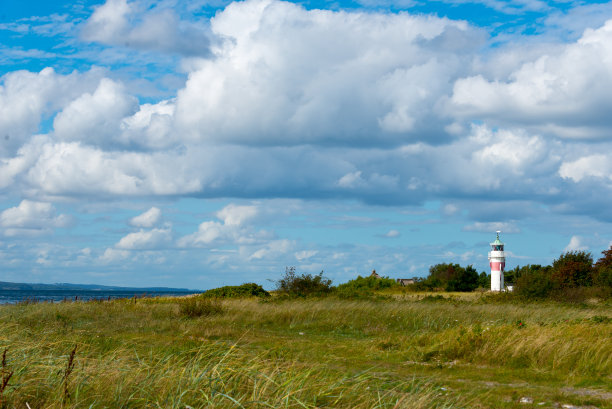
602, 270
484, 280
512, 276
573, 269
466, 279
452, 277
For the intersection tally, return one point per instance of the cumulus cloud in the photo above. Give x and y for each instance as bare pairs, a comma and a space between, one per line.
26, 98
145, 240
575, 244
151, 127
147, 219
234, 215
293, 76
597, 166
232, 229
317, 104
31, 218
133, 24
563, 93
96, 117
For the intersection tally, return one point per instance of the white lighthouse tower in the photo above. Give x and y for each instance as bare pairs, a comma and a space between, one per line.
497, 261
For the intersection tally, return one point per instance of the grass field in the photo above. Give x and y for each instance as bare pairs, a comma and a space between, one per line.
409, 351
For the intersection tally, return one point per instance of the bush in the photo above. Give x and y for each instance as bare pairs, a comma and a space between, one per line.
535, 283
303, 285
197, 306
369, 283
237, 291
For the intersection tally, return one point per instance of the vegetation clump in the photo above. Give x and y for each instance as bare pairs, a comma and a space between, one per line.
194, 307
237, 291
452, 277
303, 285
364, 287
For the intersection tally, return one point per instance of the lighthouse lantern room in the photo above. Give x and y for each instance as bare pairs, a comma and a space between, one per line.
497, 261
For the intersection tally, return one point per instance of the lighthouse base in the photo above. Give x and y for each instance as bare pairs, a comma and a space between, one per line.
497, 280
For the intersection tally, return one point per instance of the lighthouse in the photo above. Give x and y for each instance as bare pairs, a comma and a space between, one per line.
497, 261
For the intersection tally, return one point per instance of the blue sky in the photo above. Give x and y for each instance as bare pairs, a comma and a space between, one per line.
205, 143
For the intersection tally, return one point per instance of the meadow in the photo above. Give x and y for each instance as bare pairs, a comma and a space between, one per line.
400, 351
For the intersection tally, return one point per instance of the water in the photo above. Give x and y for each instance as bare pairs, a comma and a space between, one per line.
15, 296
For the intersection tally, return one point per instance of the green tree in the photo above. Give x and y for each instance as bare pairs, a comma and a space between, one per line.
452, 277
512, 276
573, 269
466, 279
484, 280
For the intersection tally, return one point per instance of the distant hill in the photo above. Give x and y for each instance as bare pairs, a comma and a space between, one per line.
6, 286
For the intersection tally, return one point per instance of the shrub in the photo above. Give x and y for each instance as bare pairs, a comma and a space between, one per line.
197, 306
536, 283
303, 285
369, 283
237, 291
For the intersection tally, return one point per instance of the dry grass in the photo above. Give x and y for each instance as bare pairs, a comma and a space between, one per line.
406, 353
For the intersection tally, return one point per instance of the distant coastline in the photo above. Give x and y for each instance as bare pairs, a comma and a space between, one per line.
8, 286
11, 293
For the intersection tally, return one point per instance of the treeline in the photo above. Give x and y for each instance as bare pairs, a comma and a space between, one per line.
572, 276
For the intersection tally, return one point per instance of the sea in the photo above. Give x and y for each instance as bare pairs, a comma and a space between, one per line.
60, 295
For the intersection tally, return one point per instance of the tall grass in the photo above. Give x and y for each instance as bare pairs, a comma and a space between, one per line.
300, 353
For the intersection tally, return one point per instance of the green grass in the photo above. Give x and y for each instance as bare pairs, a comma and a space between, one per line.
407, 351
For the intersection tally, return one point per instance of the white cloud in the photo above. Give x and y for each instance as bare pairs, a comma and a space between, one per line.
597, 166
492, 227
133, 24
95, 118
31, 218
392, 234
272, 250
147, 219
233, 229
73, 169
292, 76
26, 97
514, 149
150, 127
305, 254
575, 244
145, 240
233, 215
112, 255
563, 92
